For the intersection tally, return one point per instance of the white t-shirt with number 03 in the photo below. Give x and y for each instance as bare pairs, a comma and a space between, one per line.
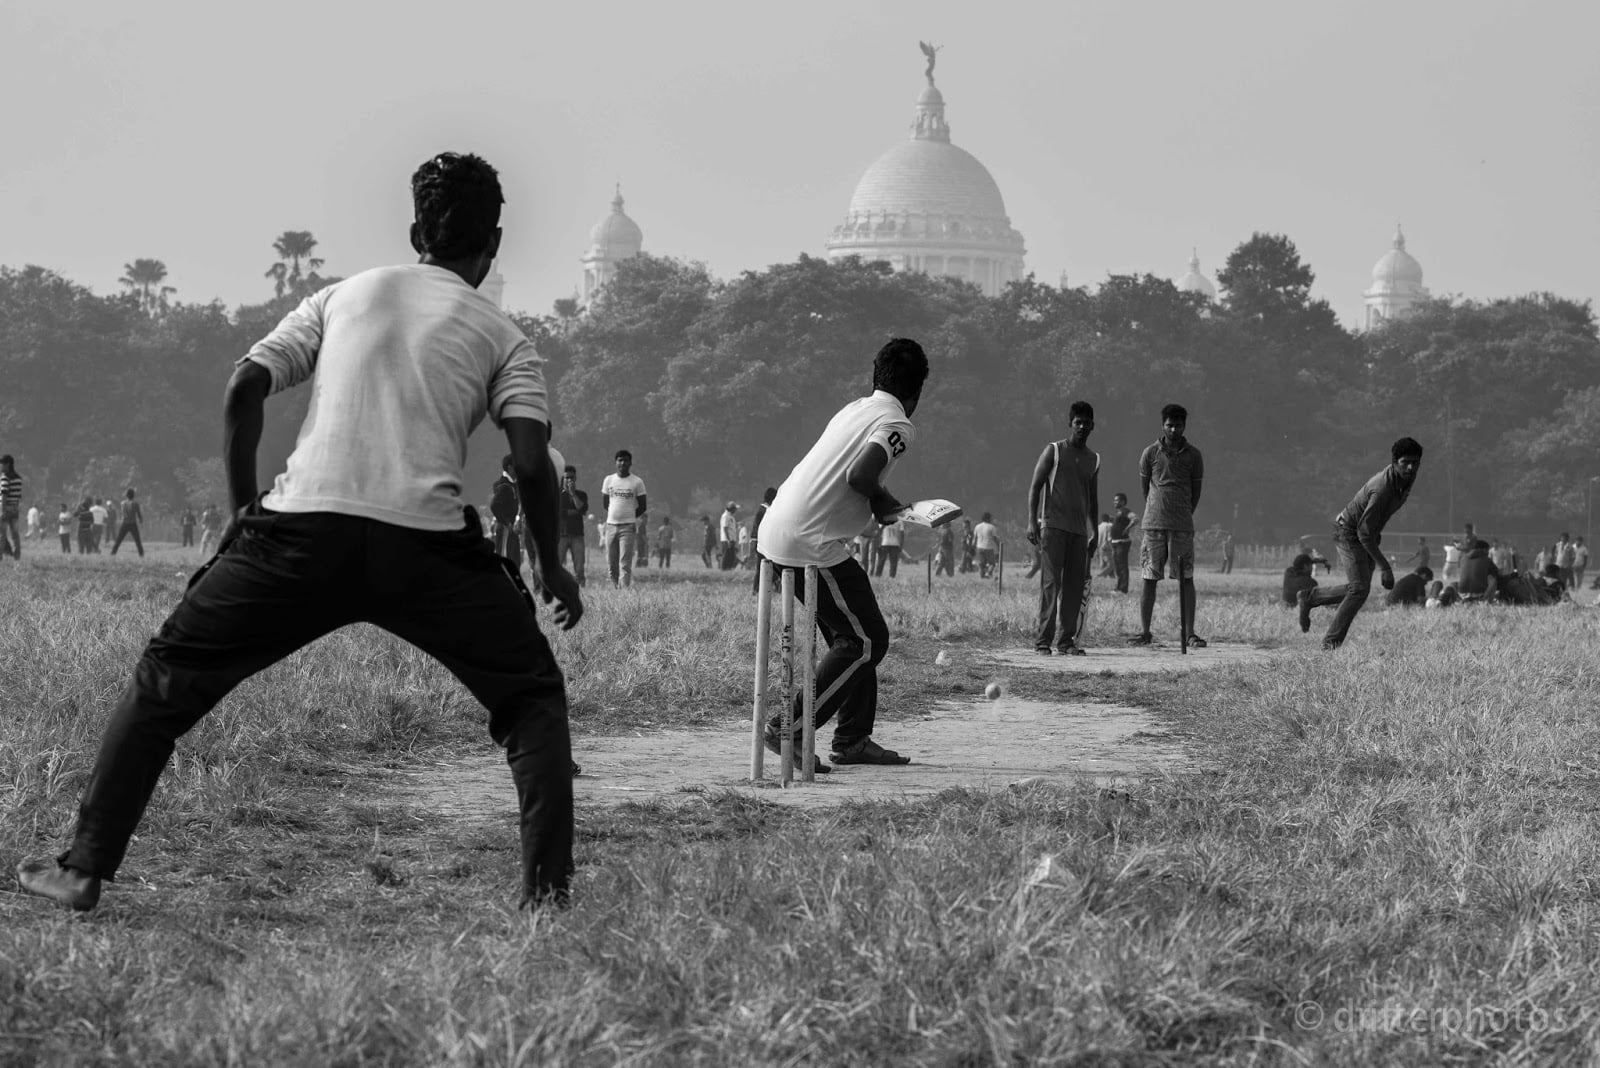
817, 514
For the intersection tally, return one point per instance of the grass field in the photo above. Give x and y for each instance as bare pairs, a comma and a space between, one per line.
1391, 861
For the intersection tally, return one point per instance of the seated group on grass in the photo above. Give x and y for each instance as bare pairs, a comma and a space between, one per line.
1482, 580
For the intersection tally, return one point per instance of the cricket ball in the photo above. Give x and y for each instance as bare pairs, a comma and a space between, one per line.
992, 690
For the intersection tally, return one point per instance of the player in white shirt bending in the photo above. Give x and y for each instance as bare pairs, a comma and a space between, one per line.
820, 508
366, 524
622, 495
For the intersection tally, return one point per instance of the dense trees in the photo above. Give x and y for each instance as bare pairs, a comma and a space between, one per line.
718, 386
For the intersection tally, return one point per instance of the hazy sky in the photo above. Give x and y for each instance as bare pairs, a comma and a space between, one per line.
1120, 134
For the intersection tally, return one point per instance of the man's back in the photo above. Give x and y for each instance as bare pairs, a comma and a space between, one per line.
407, 361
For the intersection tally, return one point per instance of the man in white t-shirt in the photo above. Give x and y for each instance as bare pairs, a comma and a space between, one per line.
826, 500
622, 495
894, 538
366, 524
987, 536
728, 537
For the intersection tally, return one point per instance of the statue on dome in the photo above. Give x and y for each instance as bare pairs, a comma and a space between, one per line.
932, 52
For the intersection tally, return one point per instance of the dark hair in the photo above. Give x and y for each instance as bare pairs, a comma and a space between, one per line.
456, 199
130, 493
986, 518
621, 453
1114, 496
505, 465
771, 494
1083, 408
569, 467
1174, 411
1425, 572
901, 367
1303, 560
7, 459
1406, 447
1480, 544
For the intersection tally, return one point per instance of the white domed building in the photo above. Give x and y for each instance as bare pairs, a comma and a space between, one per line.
926, 205
1194, 281
611, 240
1396, 284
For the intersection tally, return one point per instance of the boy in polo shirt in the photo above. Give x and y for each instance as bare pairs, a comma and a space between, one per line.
1063, 500
366, 524
820, 507
1170, 473
622, 495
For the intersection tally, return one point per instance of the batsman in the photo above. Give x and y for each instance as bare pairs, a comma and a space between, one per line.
1063, 504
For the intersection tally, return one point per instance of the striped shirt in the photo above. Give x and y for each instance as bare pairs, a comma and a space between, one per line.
10, 495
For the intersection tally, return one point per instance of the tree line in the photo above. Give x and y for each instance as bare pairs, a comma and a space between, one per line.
718, 386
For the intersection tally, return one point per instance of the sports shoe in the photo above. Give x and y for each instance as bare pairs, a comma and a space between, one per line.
66, 886
1073, 650
1196, 642
1141, 639
1302, 600
867, 751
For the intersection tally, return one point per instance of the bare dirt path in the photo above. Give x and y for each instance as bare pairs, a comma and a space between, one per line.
979, 743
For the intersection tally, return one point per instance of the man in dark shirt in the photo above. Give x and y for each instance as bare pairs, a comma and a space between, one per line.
1121, 539
1411, 590
1170, 474
574, 513
1479, 575
132, 518
1358, 530
504, 506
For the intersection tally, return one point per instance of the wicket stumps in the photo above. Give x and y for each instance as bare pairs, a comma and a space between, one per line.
789, 650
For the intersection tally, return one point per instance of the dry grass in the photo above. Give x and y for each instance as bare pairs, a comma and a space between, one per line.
1399, 838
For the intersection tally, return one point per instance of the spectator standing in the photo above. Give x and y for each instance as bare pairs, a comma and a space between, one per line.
1422, 556
64, 528
101, 532
110, 525
1171, 473
894, 536
85, 514
1121, 534
728, 537
504, 508
664, 543
986, 536
708, 540
35, 523
946, 562
574, 503
755, 535
186, 524
746, 557
1566, 559
969, 547
10, 508
1580, 562
622, 495
132, 520
1063, 500
642, 540
210, 524
1227, 553
1102, 537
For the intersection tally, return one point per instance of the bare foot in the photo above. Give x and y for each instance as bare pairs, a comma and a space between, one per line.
65, 886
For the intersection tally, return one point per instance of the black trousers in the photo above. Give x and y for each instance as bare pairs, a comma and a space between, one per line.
1064, 566
1119, 563
856, 635
123, 532
285, 581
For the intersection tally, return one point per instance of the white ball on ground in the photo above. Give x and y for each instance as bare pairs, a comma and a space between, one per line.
992, 690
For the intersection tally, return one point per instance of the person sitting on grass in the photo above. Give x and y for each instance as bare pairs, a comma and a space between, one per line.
1358, 532
1411, 591
1479, 575
366, 524
1297, 577
1442, 596
826, 500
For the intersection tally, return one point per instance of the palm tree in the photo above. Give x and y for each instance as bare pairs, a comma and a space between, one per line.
144, 277
293, 246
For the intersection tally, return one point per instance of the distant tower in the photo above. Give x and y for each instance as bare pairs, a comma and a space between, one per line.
613, 239
1396, 284
1194, 281
494, 286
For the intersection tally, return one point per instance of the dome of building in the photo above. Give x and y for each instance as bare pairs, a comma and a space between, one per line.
1195, 282
611, 240
1397, 286
927, 205
1397, 265
615, 236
